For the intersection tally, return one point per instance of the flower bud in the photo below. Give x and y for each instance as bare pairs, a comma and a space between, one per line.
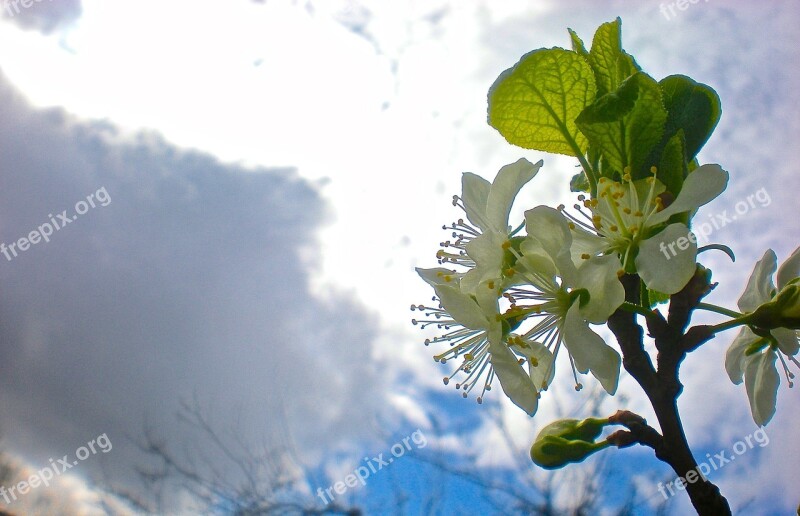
567, 441
782, 312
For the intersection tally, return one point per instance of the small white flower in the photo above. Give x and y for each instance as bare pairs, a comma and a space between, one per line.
560, 296
482, 241
753, 357
628, 219
474, 330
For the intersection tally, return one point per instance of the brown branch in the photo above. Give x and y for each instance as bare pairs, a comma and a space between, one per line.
662, 385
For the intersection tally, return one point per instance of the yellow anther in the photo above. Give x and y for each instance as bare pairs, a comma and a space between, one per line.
533, 361
585, 256
614, 228
627, 211
506, 244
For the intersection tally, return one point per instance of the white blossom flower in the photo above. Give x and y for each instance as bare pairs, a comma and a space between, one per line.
481, 243
566, 298
475, 330
628, 219
754, 356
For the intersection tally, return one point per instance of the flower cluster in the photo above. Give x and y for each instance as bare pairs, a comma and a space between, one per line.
509, 297
514, 300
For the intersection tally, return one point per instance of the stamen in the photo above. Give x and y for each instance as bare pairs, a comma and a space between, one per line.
789, 375
578, 385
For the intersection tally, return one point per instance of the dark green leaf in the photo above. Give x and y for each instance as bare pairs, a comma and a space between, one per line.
692, 107
625, 125
672, 168
579, 182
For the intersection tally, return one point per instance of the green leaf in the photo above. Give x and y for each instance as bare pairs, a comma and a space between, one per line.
625, 125
672, 168
579, 182
692, 107
535, 103
577, 44
611, 64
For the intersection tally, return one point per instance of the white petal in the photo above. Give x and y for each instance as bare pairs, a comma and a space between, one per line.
735, 358
584, 242
535, 259
550, 229
762, 380
505, 188
598, 275
514, 381
759, 287
544, 371
469, 283
488, 295
462, 307
790, 269
787, 340
701, 186
438, 276
487, 252
475, 193
590, 352
667, 261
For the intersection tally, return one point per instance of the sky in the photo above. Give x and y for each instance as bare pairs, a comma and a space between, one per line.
265, 176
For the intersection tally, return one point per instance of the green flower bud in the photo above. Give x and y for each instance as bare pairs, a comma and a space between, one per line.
782, 312
567, 441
